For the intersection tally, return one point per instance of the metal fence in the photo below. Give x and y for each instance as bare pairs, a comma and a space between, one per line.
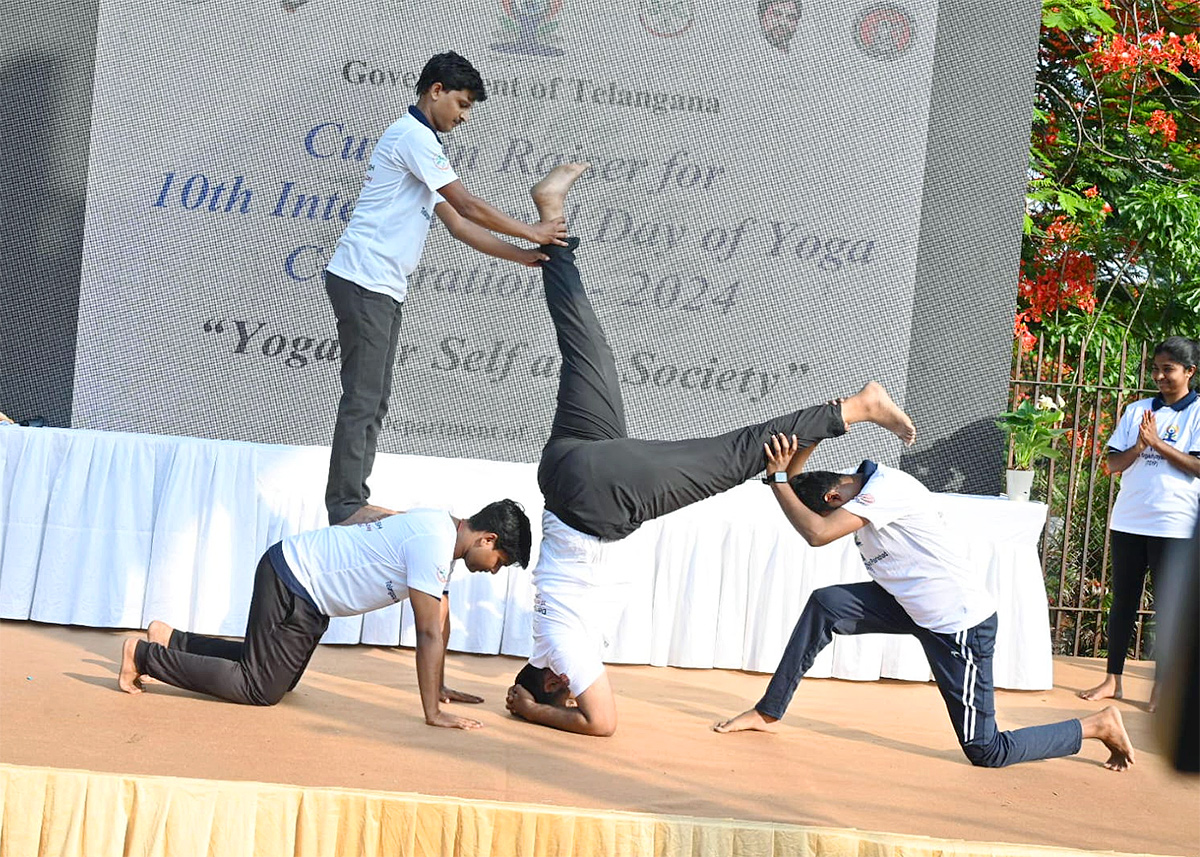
1095, 386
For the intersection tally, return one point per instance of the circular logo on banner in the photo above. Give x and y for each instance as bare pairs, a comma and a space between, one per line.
666, 18
884, 31
530, 26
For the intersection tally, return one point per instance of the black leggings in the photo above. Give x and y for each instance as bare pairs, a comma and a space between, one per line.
1132, 554
599, 480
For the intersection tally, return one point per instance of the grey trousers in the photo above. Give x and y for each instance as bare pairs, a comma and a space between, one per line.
961, 665
368, 326
595, 477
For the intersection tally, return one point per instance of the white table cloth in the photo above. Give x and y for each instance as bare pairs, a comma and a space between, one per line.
112, 530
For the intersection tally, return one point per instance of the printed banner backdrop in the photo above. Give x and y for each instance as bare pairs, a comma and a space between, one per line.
749, 226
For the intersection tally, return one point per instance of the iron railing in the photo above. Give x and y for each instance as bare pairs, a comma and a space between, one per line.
1095, 386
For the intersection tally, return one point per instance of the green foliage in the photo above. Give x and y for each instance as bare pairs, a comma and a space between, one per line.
1076, 14
1032, 429
1167, 217
1111, 249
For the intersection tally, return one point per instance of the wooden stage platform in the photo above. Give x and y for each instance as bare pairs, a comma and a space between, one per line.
871, 756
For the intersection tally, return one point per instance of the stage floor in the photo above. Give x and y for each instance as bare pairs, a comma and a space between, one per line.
877, 756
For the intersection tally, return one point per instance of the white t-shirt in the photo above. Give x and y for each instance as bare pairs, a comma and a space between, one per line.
911, 552
1157, 498
382, 243
355, 569
580, 595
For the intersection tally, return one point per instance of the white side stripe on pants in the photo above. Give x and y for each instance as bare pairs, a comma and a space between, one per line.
968, 692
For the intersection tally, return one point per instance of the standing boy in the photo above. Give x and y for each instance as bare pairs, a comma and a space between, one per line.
409, 179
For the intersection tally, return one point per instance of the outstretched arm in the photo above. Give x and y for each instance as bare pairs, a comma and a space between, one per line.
477, 211
431, 654
485, 242
594, 712
781, 452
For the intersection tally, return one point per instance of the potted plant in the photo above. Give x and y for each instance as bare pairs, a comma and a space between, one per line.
1032, 428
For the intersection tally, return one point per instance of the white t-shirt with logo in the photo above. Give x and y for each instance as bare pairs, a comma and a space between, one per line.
911, 552
382, 243
1157, 498
355, 569
581, 591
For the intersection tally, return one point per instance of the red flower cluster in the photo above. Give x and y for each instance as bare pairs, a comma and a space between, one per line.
1063, 282
1021, 331
1061, 276
1061, 231
1164, 122
1120, 56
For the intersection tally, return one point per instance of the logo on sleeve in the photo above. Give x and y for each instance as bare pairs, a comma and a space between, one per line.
441, 163
443, 573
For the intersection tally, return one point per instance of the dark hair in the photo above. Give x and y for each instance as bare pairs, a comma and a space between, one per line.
509, 522
764, 5
452, 72
1183, 351
811, 488
533, 679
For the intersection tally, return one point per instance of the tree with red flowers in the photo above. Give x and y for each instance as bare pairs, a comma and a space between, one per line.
1112, 229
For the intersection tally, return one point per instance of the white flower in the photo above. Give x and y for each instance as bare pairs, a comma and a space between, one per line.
1045, 403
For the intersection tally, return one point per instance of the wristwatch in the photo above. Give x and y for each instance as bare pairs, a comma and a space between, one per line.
778, 477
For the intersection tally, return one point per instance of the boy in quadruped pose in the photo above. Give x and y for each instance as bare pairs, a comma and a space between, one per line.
305, 579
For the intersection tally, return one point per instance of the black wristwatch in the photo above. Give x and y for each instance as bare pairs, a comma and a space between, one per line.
777, 478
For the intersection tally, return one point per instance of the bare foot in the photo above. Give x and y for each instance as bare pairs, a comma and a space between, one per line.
366, 514
1110, 688
128, 679
1152, 706
748, 721
873, 404
159, 632
550, 193
1108, 726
